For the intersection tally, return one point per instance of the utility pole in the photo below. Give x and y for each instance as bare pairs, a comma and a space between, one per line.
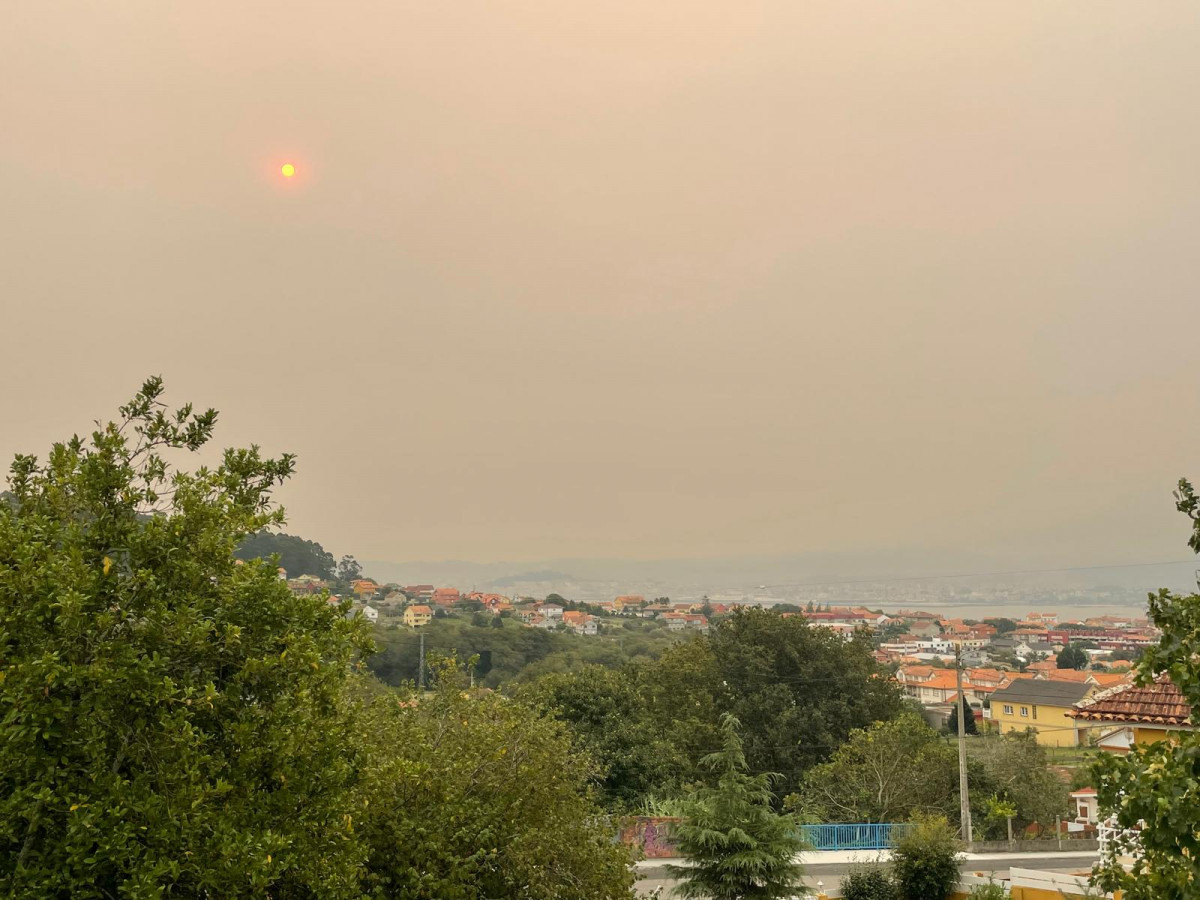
421, 670
963, 796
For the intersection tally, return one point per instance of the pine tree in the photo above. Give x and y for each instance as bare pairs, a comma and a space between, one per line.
739, 847
968, 718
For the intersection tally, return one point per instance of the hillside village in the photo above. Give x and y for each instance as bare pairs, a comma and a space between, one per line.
1012, 678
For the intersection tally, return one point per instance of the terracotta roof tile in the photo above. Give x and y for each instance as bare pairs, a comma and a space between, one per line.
1160, 703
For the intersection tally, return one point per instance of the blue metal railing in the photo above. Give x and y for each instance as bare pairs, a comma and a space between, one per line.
853, 837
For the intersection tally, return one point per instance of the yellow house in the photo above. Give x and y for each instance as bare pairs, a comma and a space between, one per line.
1044, 706
1132, 714
418, 615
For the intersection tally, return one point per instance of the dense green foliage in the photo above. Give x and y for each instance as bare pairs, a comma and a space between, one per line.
173, 721
888, 772
476, 798
613, 725
298, 556
512, 652
1072, 657
925, 861
1158, 785
738, 846
868, 883
902, 768
803, 690
798, 691
180, 725
1015, 769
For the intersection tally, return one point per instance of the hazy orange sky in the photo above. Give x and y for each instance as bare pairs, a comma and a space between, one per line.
626, 279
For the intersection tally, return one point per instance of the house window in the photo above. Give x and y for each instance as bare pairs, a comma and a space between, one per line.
1035, 713
1025, 711
1007, 710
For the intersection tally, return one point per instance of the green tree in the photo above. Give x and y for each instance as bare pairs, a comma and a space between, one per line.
1072, 657
298, 556
175, 724
680, 691
925, 861
1157, 787
799, 691
738, 846
969, 725
612, 724
348, 572
888, 772
1017, 770
477, 797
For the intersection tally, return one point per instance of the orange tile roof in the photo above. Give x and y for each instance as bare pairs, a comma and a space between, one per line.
941, 680
1161, 703
1112, 679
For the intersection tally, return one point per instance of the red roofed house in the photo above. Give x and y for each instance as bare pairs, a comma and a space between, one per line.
446, 596
580, 622
1133, 714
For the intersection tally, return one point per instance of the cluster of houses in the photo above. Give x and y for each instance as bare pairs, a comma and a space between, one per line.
1035, 694
418, 604
929, 637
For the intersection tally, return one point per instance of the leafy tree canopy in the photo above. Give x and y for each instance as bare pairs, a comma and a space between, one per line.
613, 725
888, 772
175, 723
1015, 769
1072, 657
477, 797
798, 691
298, 556
1158, 786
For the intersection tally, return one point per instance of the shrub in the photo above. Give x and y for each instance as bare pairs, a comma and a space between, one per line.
989, 891
868, 883
926, 861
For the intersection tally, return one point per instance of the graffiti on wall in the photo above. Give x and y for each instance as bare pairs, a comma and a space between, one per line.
649, 834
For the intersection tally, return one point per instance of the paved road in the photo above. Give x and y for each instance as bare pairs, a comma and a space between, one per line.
652, 875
